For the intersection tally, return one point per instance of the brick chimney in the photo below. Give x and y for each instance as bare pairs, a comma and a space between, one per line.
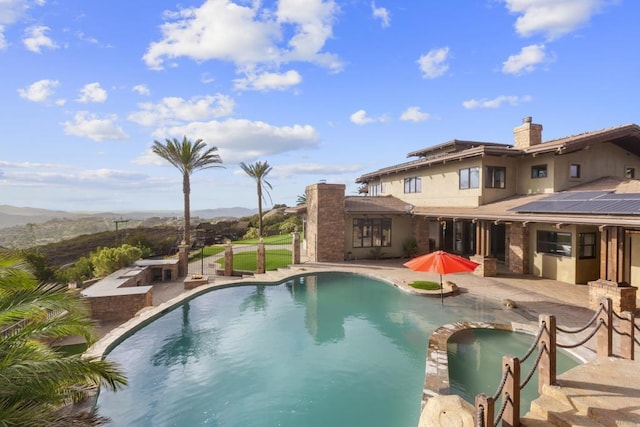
527, 134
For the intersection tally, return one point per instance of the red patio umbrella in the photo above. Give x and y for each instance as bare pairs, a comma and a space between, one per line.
441, 262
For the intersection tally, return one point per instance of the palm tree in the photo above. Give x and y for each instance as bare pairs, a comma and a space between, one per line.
259, 171
301, 199
187, 157
38, 383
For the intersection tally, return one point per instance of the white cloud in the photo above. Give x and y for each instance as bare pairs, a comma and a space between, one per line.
553, 18
268, 81
248, 35
360, 117
382, 14
35, 39
173, 110
39, 91
3, 40
525, 61
495, 102
433, 63
32, 165
92, 92
296, 169
244, 140
141, 89
413, 114
91, 126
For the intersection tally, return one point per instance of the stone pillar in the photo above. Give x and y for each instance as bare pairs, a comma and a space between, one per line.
623, 297
183, 260
325, 232
488, 266
261, 261
518, 253
296, 248
420, 231
228, 260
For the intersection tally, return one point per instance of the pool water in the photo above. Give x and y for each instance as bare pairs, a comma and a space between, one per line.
475, 363
330, 349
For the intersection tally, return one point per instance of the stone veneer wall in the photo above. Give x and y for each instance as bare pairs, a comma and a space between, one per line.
420, 231
325, 222
623, 298
518, 249
119, 307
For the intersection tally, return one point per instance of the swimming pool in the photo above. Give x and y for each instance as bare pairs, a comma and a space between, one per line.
324, 349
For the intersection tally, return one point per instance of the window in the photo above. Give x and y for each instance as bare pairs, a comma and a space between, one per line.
495, 177
574, 171
469, 178
553, 242
586, 245
539, 171
376, 189
371, 232
413, 185
630, 173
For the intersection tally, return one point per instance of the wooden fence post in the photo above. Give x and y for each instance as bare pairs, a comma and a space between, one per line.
511, 391
488, 407
627, 337
604, 336
547, 345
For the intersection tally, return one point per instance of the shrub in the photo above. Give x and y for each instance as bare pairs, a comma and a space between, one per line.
410, 247
107, 260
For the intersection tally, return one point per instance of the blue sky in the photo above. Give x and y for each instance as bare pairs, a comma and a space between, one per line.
321, 89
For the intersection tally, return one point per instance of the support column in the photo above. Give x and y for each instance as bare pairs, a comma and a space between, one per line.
296, 248
261, 261
518, 251
228, 260
183, 260
612, 246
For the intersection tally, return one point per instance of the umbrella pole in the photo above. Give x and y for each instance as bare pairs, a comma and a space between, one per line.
441, 292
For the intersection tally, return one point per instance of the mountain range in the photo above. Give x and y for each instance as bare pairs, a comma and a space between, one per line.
11, 215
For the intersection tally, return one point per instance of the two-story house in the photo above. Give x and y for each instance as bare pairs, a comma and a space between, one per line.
567, 209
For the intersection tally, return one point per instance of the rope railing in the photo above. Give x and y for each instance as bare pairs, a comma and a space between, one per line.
586, 325
545, 362
533, 369
584, 340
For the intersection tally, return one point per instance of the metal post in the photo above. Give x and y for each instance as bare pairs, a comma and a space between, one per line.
202, 260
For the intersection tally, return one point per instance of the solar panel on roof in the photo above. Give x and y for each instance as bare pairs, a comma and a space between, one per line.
586, 202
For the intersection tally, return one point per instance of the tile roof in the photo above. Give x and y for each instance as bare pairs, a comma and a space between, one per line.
375, 205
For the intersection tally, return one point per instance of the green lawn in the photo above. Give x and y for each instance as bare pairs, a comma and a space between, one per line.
247, 261
208, 251
425, 285
281, 239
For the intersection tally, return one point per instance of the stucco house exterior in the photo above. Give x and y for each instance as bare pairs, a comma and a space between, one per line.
566, 209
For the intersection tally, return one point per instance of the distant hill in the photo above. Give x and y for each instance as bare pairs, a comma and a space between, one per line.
22, 228
11, 216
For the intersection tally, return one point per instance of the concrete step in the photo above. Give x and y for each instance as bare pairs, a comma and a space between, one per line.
558, 413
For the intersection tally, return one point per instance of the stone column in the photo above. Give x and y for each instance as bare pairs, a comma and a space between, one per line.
183, 260
325, 231
420, 231
296, 248
261, 261
228, 260
518, 250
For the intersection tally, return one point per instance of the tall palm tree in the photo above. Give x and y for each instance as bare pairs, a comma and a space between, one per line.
187, 157
37, 382
259, 171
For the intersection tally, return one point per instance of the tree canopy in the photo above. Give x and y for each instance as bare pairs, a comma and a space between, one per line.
187, 157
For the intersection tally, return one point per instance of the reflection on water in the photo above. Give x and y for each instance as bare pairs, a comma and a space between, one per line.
318, 350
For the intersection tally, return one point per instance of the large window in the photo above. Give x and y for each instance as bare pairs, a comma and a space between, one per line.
553, 242
586, 245
413, 185
495, 177
539, 171
469, 178
371, 232
376, 189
